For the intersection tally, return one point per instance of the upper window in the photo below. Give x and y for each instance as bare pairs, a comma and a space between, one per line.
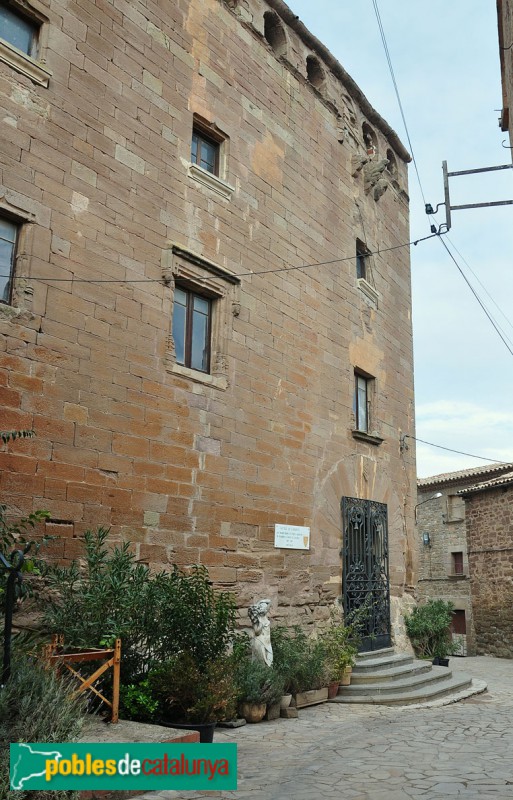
18, 30
455, 508
191, 329
457, 563
23, 38
205, 152
361, 260
361, 402
8, 239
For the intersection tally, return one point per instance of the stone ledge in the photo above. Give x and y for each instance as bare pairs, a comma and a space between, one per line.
96, 730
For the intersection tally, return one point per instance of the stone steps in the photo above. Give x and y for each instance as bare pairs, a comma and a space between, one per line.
388, 678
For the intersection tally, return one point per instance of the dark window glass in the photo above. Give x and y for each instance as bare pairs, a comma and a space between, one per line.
457, 563
205, 153
8, 236
361, 403
18, 30
191, 329
361, 266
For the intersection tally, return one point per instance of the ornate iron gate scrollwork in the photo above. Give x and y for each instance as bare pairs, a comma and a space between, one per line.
365, 567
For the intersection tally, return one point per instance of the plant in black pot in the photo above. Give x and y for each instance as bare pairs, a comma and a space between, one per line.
192, 695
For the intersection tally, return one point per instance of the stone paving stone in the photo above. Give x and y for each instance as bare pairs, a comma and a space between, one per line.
335, 752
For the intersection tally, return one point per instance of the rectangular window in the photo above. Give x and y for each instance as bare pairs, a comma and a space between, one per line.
18, 30
361, 403
457, 563
192, 317
8, 239
455, 508
205, 152
361, 260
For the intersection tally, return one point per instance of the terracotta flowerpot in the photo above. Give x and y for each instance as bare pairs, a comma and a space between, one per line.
285, 700
253, 712
333, 689
346, 677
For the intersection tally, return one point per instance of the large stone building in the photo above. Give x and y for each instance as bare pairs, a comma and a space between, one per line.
206, 312
447, 560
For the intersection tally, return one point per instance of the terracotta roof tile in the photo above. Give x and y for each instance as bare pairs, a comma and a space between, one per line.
503, 480
452, 477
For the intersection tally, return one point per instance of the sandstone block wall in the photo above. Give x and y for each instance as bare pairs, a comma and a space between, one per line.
97, 168
490, 534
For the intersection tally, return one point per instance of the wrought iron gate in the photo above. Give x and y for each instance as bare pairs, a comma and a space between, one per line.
365, 568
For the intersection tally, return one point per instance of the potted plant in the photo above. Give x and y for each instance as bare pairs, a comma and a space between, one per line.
258, 687
301, 662
340, 644
192, 695
428, 627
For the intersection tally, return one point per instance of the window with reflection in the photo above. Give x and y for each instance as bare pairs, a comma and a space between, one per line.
192, 317
18, 30
8, 239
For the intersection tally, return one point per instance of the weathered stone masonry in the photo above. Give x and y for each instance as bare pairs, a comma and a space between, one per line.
95, 167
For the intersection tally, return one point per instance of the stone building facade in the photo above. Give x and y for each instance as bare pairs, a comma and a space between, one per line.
445, 568
167, 169
489, 511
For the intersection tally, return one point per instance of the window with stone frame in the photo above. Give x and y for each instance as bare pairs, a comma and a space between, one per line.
362, 401
23, 38
457, 566
455, 508
192, 322
9, 231
203, 304
362, 254
205, 151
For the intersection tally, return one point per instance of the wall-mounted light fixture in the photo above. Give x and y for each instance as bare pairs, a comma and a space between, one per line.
434, 497
426, 540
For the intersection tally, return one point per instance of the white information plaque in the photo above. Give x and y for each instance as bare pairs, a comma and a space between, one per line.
292, 537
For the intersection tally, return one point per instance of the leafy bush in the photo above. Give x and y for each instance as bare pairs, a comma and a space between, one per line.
258, 683
340, 643
155, 615
300, 660
36, 706
188, 692
428, 629
136, 702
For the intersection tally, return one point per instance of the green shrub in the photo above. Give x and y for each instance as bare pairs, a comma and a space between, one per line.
36, 706
300, 660
136, 702
155, 615
340, 643
258, 683
429, 631
188, 692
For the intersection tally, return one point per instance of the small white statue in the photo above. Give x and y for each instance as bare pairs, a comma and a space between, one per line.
261, 642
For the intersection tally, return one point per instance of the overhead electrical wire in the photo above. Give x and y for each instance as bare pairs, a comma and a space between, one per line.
491, 319
392, 73
459, 452
239, 275
396, 88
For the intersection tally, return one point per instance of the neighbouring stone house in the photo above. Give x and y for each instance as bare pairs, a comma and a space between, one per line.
167, 171
445, 563
489, 513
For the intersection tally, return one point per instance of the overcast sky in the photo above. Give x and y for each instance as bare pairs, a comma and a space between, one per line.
446, 61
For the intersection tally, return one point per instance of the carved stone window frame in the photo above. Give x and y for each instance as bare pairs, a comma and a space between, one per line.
22, 290
33, 68
183, 267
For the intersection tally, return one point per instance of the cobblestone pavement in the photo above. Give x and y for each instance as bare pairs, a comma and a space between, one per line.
464, 750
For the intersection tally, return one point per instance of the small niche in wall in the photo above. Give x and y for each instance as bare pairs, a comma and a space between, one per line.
274, 33
315, 73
